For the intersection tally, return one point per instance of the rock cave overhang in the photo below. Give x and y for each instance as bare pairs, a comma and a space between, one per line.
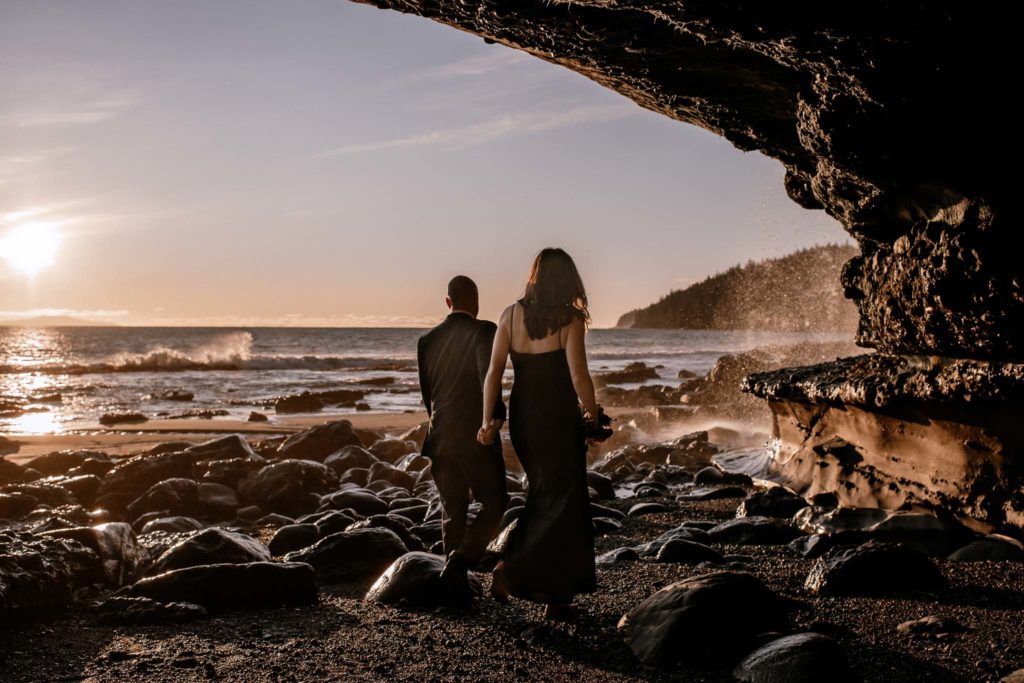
890, 117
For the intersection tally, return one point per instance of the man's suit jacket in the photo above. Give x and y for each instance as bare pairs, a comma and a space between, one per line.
453, 359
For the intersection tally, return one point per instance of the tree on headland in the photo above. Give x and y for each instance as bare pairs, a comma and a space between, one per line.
797, 292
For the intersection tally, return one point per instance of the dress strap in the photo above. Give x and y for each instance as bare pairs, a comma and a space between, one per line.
511, 325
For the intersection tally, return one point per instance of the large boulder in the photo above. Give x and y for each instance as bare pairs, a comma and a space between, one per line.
383, 471
216, 501
16, 505
710, 619
293, 537
39, 574
777, 501
392, 450
354, 555
134, 476
289, 487
872, 568
211, 546
316, 443
351, 457
414, 578
223, 448
229, 472
232, 586
47, 494
59, 462
679, 551
83, 487
993, 547
363, 501
798, 658
11, 472
114, 543
397, 524
178, 496
754, 531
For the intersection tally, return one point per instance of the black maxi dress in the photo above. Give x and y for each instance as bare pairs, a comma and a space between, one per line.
551, 548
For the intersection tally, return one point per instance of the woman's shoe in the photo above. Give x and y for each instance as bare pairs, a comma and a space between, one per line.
499, 584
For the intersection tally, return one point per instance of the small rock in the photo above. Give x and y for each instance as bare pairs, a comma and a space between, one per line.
293, 537
352, 555
316, 443
606, 525
680, 551
712, 493
708, 619
798, 658
872, 568
930, 625
416, 578
211, 546
774, 502
232, 586
109, 419
125, 611
617, 556
754, 531
641, 509
992, 547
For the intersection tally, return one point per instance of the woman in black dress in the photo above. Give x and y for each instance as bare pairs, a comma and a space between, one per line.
549, 557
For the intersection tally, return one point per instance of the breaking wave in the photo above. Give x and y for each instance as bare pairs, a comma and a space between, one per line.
231, 351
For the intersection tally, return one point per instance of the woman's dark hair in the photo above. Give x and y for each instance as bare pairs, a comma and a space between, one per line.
554, 294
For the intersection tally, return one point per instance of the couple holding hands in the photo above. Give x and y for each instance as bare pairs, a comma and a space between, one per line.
552, 414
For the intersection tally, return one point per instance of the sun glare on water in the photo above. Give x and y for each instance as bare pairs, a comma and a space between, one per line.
30, 247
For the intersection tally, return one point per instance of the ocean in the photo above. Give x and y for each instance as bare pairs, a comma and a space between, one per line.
64, 378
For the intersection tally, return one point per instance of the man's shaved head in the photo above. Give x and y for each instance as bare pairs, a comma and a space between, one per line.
463, 295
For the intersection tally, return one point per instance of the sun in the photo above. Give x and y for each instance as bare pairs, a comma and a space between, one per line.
30, 247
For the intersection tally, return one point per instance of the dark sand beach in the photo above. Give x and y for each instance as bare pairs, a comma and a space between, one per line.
344, 637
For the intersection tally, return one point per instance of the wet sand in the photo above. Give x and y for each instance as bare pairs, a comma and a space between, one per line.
132, 438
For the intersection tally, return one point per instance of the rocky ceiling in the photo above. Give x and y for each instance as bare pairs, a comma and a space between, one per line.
891, 116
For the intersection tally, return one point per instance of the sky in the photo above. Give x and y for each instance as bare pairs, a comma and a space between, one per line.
327, 163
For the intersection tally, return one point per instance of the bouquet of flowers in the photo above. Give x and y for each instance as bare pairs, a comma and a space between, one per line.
596, 428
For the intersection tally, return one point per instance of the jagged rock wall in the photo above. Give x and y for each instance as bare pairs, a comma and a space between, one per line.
892, 117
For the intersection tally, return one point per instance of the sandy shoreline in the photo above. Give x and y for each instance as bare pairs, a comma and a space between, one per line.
132, 438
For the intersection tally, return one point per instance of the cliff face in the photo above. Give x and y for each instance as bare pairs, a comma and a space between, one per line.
798, 292
889, 116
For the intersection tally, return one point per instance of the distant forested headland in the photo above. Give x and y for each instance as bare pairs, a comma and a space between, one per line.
797, 292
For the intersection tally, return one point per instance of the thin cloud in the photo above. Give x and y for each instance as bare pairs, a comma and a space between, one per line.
95, 110
18, 166
72, 312
474, 66
288, 320
515, 124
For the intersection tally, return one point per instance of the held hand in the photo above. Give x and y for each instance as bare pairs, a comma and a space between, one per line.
487, 433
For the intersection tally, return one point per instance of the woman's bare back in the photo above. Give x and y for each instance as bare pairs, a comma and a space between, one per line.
519, 337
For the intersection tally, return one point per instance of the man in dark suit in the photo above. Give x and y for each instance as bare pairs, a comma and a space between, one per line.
453, 359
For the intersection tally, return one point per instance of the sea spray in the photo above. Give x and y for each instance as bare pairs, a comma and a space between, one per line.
226, 351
